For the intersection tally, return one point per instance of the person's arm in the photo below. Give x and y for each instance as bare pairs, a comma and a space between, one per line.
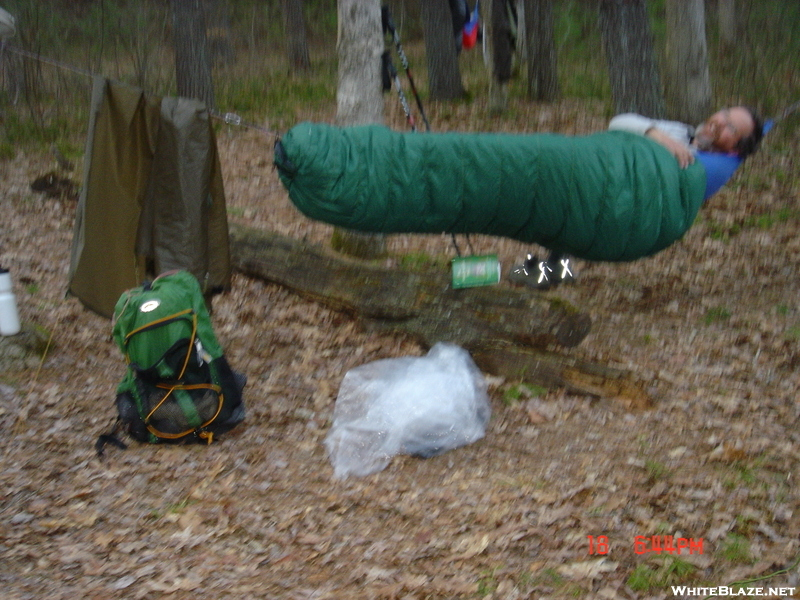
681, 152
633, 123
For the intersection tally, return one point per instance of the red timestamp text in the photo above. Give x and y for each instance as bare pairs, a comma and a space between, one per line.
666, 544
644, 544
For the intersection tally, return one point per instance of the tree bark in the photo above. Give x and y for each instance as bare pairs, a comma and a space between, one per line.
688, 84
541, 48
359, 98
444, 75
497, 42
630, 56
728, 23
502, 42
522, 36
192, 60
507, 330
295, 31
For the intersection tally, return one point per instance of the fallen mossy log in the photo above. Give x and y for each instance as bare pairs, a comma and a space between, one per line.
507, 330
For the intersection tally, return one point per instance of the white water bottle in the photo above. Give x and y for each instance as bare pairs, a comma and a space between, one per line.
9, 319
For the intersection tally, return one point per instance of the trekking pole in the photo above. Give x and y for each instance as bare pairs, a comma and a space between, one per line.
389, 24
388, 65
789, 110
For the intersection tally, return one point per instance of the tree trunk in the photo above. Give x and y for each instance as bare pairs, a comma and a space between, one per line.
502, 42
497, 42
522, 37
192, 60
295, 31
359, 97
542, 63
728, 23
507, 330
632, 66
687, 84
444, 75
220, 46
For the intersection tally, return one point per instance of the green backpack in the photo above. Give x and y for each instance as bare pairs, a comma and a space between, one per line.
178, 386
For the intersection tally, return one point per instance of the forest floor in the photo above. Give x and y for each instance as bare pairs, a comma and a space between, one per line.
549, 504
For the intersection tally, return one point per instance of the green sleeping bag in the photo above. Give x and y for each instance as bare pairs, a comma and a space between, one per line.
611, 196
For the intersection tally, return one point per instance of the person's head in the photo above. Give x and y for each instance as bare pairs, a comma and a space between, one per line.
731, 130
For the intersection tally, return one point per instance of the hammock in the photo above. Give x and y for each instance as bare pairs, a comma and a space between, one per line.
611, 196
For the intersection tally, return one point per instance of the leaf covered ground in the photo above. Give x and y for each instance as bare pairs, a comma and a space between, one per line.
712, 324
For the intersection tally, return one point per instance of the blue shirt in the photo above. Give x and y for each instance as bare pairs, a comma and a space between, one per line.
719, 169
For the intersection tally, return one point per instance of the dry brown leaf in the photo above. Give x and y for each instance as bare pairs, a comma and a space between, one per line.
727, 453
265, 520
470, 546
589, 569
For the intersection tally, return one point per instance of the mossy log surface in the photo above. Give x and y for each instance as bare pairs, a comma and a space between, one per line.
509, 331
24, 350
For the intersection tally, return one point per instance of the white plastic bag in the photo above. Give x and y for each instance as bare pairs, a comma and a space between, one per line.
413, 405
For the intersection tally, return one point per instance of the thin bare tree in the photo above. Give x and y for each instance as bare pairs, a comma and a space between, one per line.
294, 25
220, 44
541, 50
498, 49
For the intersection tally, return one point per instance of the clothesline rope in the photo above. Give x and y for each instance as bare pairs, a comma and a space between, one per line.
234, 119
43, 59
229, 117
